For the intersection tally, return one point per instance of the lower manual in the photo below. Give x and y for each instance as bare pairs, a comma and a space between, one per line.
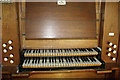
55, 62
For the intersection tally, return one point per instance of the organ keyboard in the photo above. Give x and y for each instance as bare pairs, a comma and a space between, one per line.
59, 52
60, 62
33, 59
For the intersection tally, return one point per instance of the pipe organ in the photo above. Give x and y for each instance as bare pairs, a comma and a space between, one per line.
48, 40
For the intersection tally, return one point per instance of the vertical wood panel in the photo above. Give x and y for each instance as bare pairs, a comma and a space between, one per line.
118, 60
100, 39
22, 7
0, 32
10, 32
110, 26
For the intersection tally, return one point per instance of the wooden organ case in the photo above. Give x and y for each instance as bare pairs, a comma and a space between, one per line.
47, 40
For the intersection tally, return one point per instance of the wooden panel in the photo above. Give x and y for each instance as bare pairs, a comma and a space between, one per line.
118, 58
48, 20
10, 32
110, 26
0, 33
98, 17
6, 75
22, 23
68, 75
100, 33
0, 21
57, 44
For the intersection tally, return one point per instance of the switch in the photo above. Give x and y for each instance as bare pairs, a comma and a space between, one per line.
11, 55
114, 46
109, 54
6, 59
11, 61
5, 50
110, 44
113, 58
10, 42
4, 45
114, 51
10, 47
109, 49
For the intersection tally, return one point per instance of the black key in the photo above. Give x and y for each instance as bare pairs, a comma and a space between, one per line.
78, 59
87, 59
84, 50
33, 51
70, 50
89, 49
71, 59
38, 60
54, 50
94, 59
35, 60
82, 59
59, 59
62, 59
76, 50
66, 59
91, 59
75, 59
26, 60
43, 60
79, 49
49, 59
55, 60
27, 50
39, 51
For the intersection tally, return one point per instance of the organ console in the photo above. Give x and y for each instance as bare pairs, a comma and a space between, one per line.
56, 40
61, 58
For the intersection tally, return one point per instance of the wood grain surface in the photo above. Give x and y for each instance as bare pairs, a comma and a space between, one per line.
49, 20
10, 32
110, 26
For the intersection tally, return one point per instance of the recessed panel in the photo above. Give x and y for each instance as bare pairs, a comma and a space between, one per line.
49, 20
